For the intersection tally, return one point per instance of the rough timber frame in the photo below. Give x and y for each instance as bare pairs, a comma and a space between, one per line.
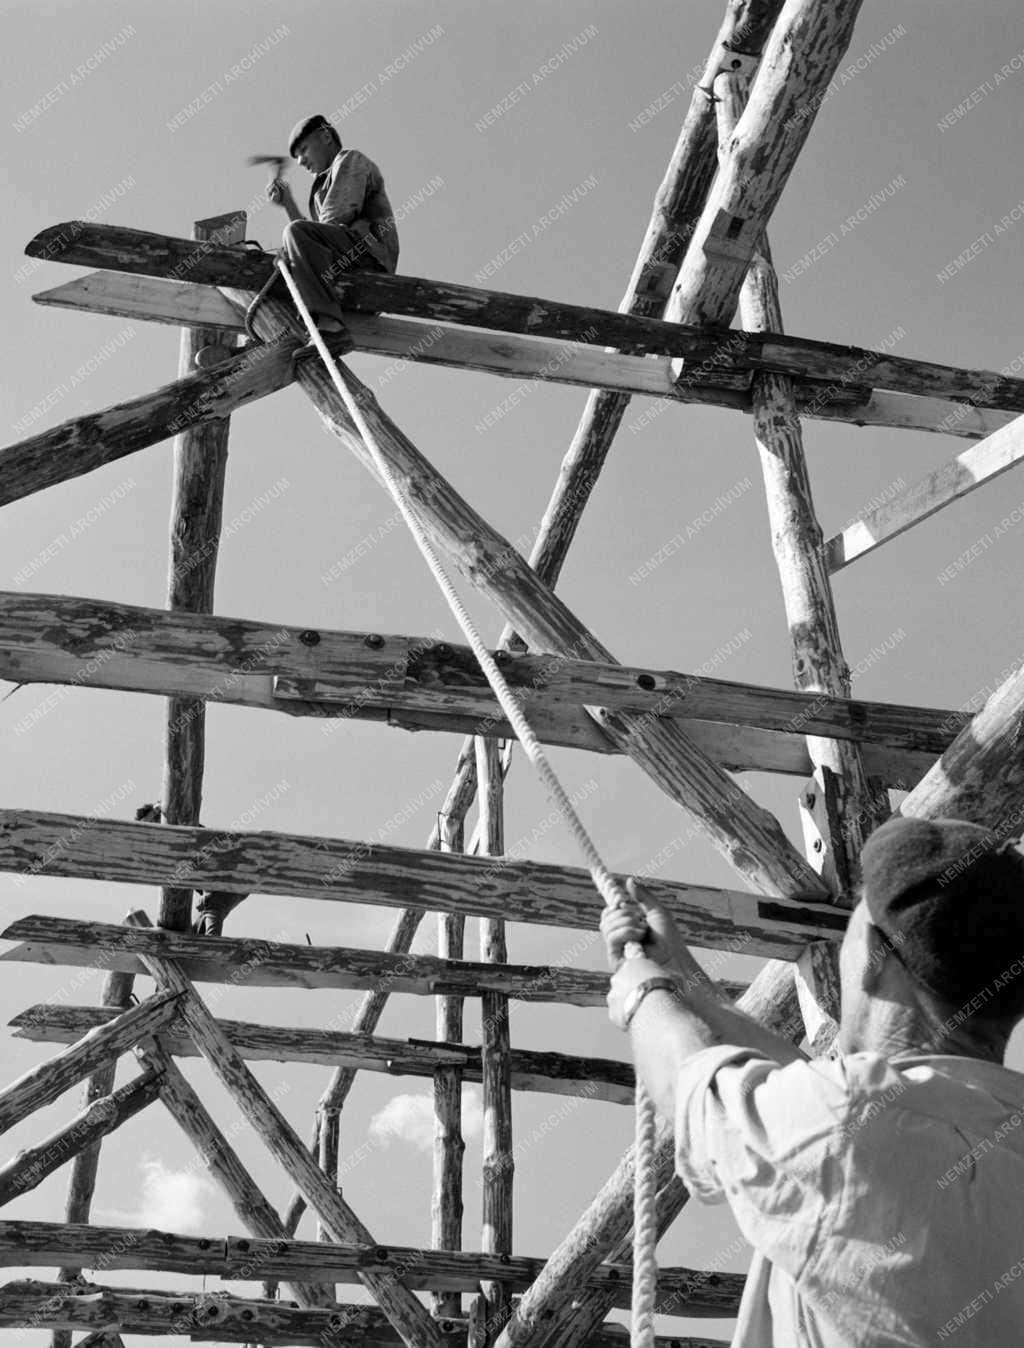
705, 253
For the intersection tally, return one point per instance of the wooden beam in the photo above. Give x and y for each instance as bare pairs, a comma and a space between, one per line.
496, 1054
255, 963
406, 1314
115, 1032
235, 1319
200, 467
819, 665
449, 1150
100, 1117
712, 360
221, 1161
971, 469
358, 872
146, 297
85, 443
531, 1070
419, 682
800, 58
24, 1244
116, 992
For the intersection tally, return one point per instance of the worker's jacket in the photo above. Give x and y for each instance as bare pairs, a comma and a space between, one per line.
351, 192
884, 1199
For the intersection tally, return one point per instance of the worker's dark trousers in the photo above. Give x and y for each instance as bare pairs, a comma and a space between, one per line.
319, 254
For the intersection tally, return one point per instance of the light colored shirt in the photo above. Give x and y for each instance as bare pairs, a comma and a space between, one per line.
884, 1199
350, 191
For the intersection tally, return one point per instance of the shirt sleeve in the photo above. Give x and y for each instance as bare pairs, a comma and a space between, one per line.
766, 1138
343, 201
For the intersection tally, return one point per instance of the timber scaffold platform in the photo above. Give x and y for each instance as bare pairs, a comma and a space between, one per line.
704, 256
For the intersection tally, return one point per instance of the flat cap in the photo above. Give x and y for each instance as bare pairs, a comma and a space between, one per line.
303, 128
949, 896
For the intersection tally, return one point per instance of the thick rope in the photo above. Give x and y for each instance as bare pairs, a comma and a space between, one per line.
645, 1267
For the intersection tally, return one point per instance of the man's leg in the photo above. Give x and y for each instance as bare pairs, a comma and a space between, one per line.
318, 255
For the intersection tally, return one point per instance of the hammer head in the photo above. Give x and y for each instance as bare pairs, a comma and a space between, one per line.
278, 160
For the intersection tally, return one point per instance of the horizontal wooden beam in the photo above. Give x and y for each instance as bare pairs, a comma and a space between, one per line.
420, 683
37, 843
32, 1165
681, 1291
976, 465
708, 355
146, 297
552, 1073
114, 1033
251, 962
199, 1315
89, 442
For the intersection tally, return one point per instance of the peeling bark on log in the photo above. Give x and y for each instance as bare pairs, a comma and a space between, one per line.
23, 1244
234, 1319
32, 1164
340, 871
200, 467
117, 1032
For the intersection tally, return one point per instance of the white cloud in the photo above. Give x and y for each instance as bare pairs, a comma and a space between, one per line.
172, 1200
410, 1118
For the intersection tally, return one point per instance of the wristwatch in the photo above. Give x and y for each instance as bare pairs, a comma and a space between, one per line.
633, 999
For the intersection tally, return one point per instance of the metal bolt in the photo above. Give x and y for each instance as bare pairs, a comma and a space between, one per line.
381, 1254
444, 651
809, 800
818, 844
309, 637
374, 641
647, 682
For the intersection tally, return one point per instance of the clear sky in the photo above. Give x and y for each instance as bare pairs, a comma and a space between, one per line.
483, 117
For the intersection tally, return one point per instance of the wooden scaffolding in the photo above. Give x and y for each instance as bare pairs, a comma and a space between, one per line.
705, 255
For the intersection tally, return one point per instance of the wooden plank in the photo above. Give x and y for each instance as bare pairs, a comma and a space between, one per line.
969, 470
24, 1244
362, 872
100, 1117
146, 297
800, 58
406, 1314
200, 468
85, 443
115, 1032
234, 1319
531, 1070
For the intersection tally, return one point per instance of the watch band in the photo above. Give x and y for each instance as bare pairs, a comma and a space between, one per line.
633, 999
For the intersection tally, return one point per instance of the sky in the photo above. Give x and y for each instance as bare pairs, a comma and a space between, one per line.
485, 120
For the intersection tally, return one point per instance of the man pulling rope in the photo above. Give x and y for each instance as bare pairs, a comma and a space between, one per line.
883, 1191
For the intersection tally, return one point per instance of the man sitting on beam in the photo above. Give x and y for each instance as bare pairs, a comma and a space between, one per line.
882, 1190
351, 225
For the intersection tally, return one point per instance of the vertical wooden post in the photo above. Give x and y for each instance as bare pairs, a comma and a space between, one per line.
117, 991
498, 1162
449, 1146
818, 662
200, 464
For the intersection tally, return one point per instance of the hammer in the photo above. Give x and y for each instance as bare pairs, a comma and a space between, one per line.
277, 163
